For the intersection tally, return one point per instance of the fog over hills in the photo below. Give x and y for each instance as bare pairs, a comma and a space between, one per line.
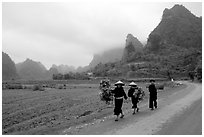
63, 69
173, 47
111, 55
31, 70
132, 46
71, 33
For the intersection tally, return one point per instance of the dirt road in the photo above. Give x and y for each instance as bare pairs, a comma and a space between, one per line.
188, 123
178, 113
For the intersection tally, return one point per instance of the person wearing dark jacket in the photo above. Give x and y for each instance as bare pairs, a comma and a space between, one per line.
152, 95
119, 94
133, 94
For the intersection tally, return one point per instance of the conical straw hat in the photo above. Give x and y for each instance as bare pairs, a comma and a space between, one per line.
119, 83
132, 84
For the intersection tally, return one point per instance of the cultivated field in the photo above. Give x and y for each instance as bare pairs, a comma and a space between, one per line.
25, 111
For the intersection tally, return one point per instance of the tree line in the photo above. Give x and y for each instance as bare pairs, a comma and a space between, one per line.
70, 75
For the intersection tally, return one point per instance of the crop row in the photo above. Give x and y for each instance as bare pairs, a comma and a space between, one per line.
27, 114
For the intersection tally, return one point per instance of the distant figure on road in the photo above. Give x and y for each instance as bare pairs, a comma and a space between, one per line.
133, 94
152, 95
119, 94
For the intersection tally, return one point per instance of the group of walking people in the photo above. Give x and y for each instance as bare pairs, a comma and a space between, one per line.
136, 94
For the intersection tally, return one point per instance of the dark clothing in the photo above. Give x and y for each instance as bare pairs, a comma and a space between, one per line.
153, 91
130, 92
152, 103
118, 106
152, 96
119, 94
134, 98
134, 102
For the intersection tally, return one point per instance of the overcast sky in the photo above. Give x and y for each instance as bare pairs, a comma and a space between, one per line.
70, 33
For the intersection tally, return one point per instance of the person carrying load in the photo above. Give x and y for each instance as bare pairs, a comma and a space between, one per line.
136, 94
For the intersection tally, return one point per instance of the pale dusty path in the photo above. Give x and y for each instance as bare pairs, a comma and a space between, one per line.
188, 123
155, 122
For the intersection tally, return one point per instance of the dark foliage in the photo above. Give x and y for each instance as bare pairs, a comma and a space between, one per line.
67, 76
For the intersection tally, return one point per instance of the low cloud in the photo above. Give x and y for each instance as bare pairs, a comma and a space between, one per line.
70, 33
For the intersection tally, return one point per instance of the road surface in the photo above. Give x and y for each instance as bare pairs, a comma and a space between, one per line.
177, 114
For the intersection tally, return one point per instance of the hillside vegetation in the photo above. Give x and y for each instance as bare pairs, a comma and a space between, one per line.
173, 49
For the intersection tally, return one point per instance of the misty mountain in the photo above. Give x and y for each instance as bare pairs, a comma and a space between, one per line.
8, 68
32, 70
83, 69
132, 46
63, 69
108, 56
173, 49
111, 55
177, 41
51, 72
179, 27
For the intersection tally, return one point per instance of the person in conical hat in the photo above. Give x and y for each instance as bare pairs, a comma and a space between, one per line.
132, 93
119, 94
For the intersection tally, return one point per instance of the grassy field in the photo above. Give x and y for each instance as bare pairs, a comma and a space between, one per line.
25, 111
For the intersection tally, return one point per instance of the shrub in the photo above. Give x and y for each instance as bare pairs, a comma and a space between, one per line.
38, 87
160, 86
12, 86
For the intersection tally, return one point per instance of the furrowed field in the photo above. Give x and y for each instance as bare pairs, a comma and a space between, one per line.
25, 111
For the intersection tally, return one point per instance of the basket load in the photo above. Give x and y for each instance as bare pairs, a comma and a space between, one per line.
105, 94
138, 92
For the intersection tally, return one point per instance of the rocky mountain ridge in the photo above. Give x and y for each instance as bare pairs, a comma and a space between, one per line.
31, 70
132, 46
173, 48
